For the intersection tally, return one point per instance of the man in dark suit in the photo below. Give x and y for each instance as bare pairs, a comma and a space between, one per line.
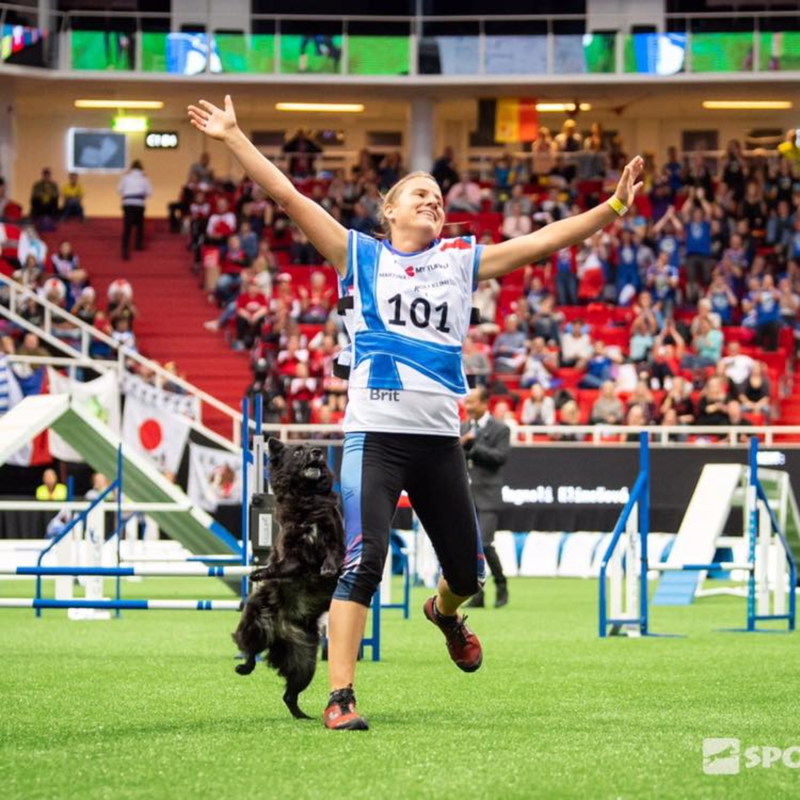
486, 442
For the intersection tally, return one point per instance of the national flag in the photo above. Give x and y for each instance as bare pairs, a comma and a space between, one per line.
98, 398
215, 477
35, 453
516, 120
155, 432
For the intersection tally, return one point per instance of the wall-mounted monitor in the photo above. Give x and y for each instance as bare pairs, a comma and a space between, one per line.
93, 150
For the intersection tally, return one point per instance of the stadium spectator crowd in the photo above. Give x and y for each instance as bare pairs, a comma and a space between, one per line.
59, 277
683, 312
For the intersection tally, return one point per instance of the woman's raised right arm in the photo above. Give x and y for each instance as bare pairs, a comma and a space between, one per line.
324, 232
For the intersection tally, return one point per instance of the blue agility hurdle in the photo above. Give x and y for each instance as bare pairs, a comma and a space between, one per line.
255, 453
627, 570
211, 566
237, 565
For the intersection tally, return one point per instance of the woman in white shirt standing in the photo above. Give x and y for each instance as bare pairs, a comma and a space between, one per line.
134, 188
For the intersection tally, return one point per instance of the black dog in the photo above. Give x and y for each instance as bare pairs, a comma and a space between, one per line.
282, 615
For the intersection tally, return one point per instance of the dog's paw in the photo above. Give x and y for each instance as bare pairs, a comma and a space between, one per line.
246, 668
263, 574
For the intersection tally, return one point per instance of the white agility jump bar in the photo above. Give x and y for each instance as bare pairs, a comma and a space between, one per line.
118, 605
82, 505
716, 566
173, 571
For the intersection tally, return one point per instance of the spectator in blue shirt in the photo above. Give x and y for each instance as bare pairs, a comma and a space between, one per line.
766, 304
723, 300
566, 282
783, 231
628, 280
510, 347
598, 369
662, 282
697, 213
673, 169
668, 234
794, 248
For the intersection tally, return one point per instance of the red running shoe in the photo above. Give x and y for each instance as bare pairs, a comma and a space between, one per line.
462, 643
340, 715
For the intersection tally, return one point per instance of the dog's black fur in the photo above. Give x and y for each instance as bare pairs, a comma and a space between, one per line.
282, 615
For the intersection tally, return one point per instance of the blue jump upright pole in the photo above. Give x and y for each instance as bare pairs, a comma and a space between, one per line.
118, 610
644, 528
245, 435
752, 492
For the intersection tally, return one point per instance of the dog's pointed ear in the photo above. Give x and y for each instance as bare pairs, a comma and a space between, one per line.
276, 448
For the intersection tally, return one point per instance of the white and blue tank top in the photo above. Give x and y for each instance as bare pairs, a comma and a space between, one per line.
410, 316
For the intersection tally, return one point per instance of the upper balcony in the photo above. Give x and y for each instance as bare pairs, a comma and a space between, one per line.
502, 50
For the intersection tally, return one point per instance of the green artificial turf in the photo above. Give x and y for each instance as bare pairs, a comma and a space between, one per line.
149, 706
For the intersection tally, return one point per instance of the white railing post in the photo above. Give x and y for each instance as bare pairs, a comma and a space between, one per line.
632, 545
276, 64
414, 36
757, 44
481, 48
762, 561
345, 55
781, 583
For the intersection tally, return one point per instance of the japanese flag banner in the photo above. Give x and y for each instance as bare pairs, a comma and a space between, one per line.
155, 432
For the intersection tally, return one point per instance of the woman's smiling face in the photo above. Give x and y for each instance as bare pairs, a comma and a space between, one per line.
419, 207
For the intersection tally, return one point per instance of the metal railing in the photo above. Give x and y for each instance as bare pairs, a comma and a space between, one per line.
77, 349
664, 435
419, 31
587, 435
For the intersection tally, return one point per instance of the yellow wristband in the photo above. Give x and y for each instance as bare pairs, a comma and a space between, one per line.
620, 209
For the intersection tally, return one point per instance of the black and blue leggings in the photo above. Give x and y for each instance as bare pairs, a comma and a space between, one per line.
376, 468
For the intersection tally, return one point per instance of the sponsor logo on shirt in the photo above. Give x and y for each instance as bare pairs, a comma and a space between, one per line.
389, 395
456, 244
432, 267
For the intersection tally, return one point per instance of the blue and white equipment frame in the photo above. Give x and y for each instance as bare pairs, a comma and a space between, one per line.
629, 613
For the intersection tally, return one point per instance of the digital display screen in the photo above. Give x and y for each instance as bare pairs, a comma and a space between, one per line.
91, 150
655, 53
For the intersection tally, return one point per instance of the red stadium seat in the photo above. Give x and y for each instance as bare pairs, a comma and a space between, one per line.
12, 211
10, 241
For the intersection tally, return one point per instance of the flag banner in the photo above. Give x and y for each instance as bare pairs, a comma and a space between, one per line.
98, 398
155, 433
31, 380
37, 451
10, 395
183, 404
516, 120
215, 477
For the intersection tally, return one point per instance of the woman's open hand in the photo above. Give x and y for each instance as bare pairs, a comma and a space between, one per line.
628, 186
215, 122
